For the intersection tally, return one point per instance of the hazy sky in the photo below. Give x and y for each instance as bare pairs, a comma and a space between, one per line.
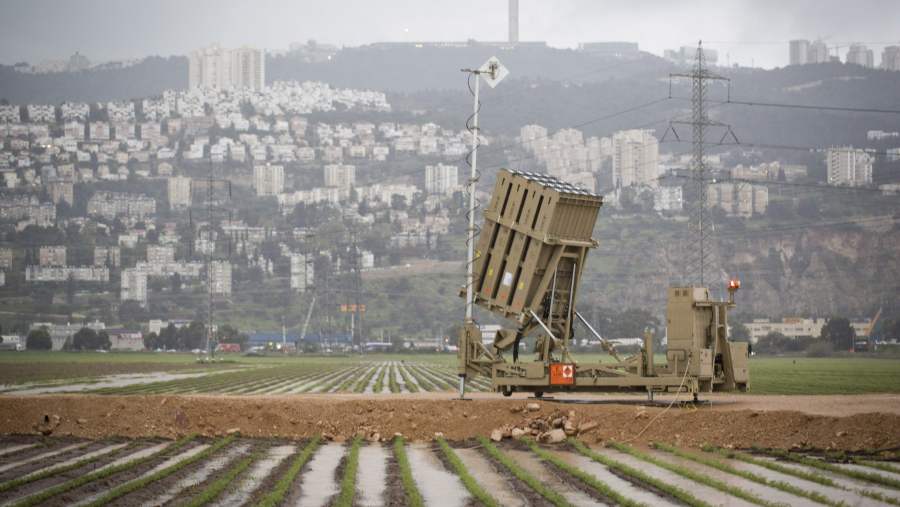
758, 30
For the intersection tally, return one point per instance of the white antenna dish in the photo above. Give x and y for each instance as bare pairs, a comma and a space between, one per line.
492, 71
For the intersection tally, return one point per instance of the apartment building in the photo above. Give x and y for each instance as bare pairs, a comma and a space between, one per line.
635, 158
268, 179
848, 166
216, 67
52, 255
340, 175
134, 286
441, 179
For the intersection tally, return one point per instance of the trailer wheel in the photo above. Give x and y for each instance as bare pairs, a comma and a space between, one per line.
539, 394
507, 391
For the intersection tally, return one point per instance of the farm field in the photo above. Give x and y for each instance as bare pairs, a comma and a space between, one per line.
161, 373
236, 470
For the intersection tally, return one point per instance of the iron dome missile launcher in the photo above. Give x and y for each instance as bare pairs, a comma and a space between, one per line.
527, 268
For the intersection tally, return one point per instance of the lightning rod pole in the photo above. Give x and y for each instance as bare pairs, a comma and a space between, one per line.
470, 242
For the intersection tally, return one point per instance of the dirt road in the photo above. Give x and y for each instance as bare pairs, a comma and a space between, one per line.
821, 422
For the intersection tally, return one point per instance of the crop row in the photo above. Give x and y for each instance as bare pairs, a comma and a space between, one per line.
236, 470
358, 377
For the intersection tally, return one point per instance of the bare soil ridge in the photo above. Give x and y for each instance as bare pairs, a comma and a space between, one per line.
736, 424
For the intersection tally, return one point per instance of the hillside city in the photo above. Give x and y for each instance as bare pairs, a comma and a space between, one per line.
295, 193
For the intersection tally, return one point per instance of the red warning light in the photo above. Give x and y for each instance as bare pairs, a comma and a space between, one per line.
734, 284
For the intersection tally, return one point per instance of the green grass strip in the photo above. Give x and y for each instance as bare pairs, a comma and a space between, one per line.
581, 475
99, 474
413, 496
413, 388
19, 481
831, 467
470, 483
215, 489
364, 382
884, 467
348, 482
694, 476
750, 476
392, 381
639, 476
523, 475
284, 484
379, 382
795, 472
136, 484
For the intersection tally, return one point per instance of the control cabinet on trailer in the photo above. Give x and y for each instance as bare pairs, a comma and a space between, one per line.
528, 263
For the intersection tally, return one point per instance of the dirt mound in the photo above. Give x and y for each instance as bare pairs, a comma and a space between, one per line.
420, 418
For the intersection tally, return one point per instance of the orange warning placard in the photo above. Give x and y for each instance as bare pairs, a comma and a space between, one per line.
562, 374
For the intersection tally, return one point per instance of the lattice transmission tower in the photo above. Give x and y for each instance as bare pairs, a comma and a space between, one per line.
700, 247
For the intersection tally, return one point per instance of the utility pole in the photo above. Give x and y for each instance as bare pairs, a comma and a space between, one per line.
210, 211
700, 223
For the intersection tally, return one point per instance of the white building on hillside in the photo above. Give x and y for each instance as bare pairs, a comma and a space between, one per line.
134, 286
635, 159
268, 179
848, 166
340, 175
216, 67
179, 191
219, 273
441, 179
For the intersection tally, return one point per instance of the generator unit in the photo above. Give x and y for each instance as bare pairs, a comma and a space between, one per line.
527, 268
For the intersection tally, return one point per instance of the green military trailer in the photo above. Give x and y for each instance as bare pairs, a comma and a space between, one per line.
527, 268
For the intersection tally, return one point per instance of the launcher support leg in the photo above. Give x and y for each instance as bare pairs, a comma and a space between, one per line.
462, 387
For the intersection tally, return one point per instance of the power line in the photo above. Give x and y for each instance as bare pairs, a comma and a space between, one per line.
881, 153
803, 106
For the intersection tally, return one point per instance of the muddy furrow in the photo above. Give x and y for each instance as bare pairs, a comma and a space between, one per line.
317, 484
253, 478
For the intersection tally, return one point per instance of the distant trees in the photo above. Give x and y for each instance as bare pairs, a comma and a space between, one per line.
740, 333
39, 339
88, 339
230, 334
839, 333
192, 336
773, 343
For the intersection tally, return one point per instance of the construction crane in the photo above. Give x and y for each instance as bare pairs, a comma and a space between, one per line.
867, 343
528, 264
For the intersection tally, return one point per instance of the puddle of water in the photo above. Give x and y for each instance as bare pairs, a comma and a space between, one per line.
706, 493
318, 382
257, 473
752, 487
62, 464
162, 466
317, 485
488, 478
371, 480
200, 475
123, 380
437, 485
851, 497
603, 474
533, 465
13, 448
39, 457
848, 497
370, 387
143, 453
